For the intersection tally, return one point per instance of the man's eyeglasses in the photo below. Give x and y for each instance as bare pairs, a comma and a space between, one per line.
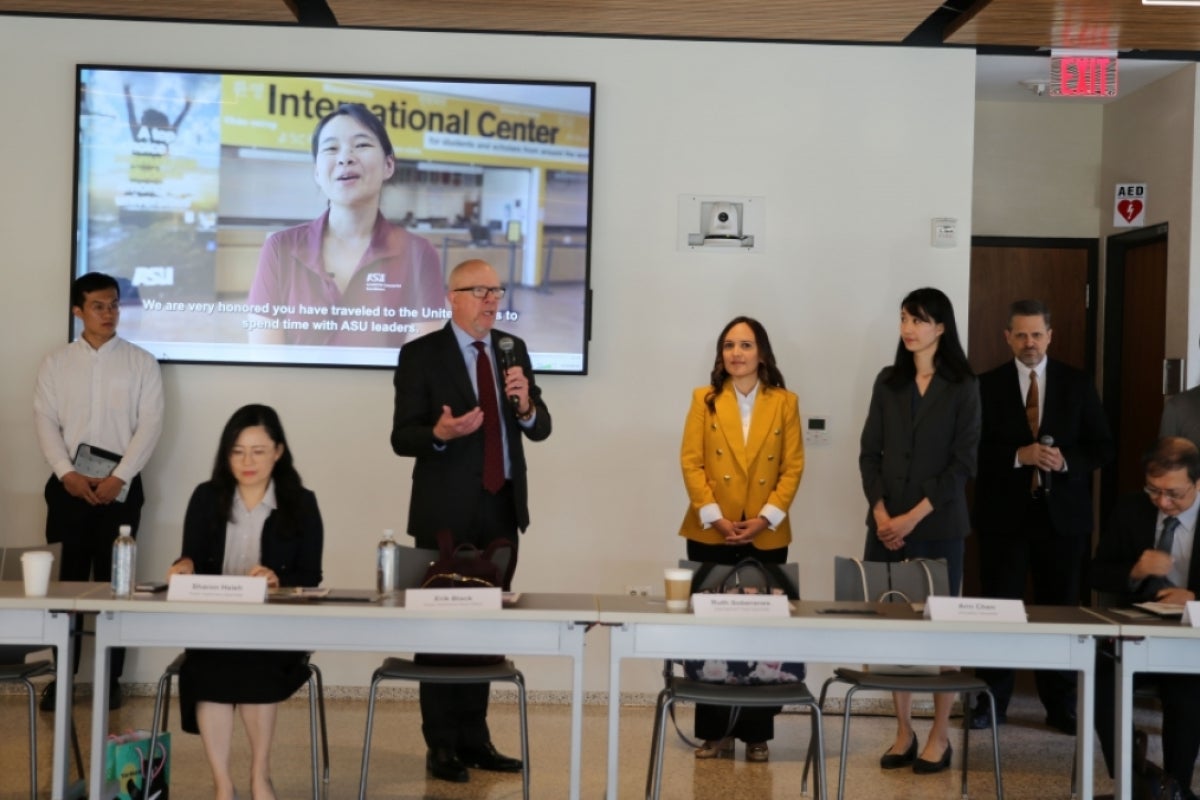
480, 292
1171, 494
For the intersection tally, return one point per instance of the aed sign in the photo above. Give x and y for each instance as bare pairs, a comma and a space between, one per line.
1129, 205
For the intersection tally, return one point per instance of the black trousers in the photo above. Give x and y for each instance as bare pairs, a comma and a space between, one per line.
1053, 562
1180, 699
713, 722
455, 714
87, 534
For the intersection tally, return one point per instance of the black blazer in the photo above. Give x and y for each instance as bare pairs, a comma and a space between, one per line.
1131, 530
903, 458
432, 373
294, 556
1073, 415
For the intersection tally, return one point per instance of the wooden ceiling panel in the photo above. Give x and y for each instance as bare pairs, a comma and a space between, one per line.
207, 10
1084, 24
816, 20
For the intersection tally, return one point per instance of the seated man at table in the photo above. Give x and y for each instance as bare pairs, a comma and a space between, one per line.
1145, 553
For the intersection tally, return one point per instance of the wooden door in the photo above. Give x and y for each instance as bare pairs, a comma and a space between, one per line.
1062, 273
1135, 333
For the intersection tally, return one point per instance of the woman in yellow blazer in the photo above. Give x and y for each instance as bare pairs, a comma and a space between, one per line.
742, 457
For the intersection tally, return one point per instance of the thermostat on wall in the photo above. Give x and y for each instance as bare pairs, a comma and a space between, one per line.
816, 431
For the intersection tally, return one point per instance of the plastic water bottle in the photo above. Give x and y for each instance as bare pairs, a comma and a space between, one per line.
124, 557
385, 564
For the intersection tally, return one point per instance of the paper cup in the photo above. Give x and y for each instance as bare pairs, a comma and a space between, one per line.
35, 567
679, 588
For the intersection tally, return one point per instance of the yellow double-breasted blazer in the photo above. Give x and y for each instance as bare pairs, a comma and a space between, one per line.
742, 474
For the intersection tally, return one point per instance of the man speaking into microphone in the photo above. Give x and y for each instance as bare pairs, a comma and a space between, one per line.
1043, 435
465, 400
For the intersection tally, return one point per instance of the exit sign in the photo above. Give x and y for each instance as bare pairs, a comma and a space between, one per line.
1083, 76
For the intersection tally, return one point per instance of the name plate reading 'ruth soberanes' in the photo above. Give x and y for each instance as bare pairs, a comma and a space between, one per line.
217, 589
974, 609
740, 605
452, 599
1191, 614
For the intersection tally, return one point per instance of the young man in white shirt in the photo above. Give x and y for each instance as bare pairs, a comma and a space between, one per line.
106, 393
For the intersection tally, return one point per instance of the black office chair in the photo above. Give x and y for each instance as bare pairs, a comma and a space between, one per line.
732, 696
15, 669
412, 564
857, 581
316, 715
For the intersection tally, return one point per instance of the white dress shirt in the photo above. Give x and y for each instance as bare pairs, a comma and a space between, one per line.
109, 398
243, 533
1181, 546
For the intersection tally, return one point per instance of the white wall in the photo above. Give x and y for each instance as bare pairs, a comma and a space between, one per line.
854, 149
1150, 137
1036, 169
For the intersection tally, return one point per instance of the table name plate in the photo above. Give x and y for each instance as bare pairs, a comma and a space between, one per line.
217, 588
740, 605
1191, 614
451, 599
973, 609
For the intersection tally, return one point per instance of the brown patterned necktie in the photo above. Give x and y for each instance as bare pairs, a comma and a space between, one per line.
493, 444
1031, 414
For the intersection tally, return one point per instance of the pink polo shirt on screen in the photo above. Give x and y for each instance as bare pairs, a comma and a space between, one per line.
399, 272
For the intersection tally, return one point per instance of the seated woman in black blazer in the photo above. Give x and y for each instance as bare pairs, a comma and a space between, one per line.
253, 518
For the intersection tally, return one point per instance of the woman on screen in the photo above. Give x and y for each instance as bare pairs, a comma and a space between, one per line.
742, 457
349, 277
254, 517
917, 450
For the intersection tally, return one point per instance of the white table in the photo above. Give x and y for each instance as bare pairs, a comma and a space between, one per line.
1145, 646
1055, 638
540, 624
47, 621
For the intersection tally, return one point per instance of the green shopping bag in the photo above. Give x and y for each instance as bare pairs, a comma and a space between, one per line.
129, 772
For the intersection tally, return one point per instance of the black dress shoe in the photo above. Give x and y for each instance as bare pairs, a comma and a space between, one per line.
48, 697
1063, 722
444, 765
114, 696
890, 760
923, 767
981, 718
488, 758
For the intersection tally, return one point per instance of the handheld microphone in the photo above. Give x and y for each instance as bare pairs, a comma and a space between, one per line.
1046, 441
507, 361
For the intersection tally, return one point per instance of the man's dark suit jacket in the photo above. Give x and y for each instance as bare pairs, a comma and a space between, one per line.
904, 458
432, 373
1131, 531
1072, 414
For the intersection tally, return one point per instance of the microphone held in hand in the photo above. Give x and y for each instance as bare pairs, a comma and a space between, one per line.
1046, 441
507, 361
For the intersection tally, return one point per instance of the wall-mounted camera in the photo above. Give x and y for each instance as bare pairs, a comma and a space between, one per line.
723, 222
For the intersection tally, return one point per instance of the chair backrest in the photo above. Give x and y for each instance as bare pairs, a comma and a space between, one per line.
413, 562
10, 560
895, 582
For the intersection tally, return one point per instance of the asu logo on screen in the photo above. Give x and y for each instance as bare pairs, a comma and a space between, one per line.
377, 282
153, 276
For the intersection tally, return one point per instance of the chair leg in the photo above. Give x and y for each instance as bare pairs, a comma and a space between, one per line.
809, 756
822, 778
996, 747
313, 714
366, 756
966, 745
32, 740
845, 741
657, 743
316, 671
519, 680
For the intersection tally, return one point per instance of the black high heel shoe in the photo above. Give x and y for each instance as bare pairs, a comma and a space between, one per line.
923, 767
892, 760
